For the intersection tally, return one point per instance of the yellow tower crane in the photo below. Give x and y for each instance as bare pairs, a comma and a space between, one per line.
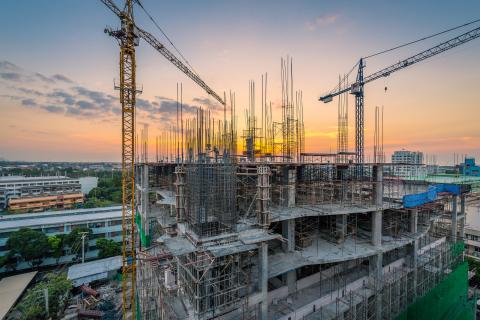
128, 37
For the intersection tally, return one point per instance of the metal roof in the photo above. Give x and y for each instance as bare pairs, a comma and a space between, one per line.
11, 288
58, 217
79, 271
26, 179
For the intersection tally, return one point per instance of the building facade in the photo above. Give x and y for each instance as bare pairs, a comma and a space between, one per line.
104, 222
408, 163
31, 194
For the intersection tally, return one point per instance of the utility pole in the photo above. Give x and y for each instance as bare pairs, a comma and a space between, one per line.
45, 295
84, 235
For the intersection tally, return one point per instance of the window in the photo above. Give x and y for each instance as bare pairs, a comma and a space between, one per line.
115, 223
96, 224
79, 226
54, 229
98, 235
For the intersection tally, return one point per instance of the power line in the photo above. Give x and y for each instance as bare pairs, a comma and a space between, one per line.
165, 35
421, 39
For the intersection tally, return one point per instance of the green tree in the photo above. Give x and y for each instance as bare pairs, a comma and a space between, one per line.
32, 304
107, 193
56, 246
9, 261
474, 265
31, 245
108, 248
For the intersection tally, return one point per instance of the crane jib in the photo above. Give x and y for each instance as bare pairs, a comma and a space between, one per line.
442, 47
157, 45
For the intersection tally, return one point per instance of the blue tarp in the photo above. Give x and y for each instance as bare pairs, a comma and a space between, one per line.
414, 200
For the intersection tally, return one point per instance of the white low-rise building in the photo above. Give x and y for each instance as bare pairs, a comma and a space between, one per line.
104, 222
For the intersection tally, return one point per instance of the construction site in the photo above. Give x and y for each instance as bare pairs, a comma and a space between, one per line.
285, 234
231, 220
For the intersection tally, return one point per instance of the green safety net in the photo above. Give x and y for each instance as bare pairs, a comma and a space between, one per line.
448, 300
144, 239
457, 248
138, 312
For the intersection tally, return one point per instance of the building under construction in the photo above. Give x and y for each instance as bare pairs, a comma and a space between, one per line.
273, 232
250, 226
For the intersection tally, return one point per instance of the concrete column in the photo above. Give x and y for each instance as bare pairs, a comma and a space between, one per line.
377, 228
180, 193
145, 205
263, 280
288, 232
413, 220
263, 196
454, 219
378, 178
376, 272
377, 215
292, 178
463, 216
414, 254
341, 227
292, 281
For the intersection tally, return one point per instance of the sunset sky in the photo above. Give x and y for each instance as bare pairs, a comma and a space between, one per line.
57, 70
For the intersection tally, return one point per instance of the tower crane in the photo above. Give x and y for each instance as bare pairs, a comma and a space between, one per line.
128, 37
357, 88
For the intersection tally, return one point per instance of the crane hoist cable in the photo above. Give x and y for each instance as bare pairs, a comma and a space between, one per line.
165, 35
336, 88
421, 39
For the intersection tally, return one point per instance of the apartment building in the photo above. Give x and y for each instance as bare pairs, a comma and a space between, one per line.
408, 163
31, 194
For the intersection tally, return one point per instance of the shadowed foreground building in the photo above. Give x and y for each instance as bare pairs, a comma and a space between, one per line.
305, 240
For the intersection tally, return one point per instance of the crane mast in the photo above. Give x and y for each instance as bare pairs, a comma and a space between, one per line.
357, 88
157, 45
128, 37
359, 115
127, 40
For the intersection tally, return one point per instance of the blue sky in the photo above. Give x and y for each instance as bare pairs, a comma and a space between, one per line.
431, 106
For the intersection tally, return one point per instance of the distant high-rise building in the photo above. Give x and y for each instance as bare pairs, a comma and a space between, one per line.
408, 163
469, 167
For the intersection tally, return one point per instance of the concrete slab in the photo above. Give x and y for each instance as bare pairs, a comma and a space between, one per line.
256, 236
284, 213
179, 246
231, 248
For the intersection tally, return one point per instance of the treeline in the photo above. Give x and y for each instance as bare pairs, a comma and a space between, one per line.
107, 193
34, 246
